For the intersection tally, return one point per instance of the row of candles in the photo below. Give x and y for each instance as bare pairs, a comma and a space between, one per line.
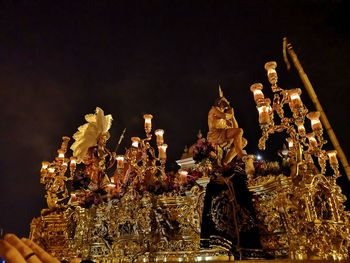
60, 164
135, 142
292, 97
295, 102
61, 160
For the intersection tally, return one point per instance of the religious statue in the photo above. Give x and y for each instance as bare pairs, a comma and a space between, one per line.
224, 131
90, 147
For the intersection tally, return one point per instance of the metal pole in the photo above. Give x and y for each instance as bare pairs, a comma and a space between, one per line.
310, 90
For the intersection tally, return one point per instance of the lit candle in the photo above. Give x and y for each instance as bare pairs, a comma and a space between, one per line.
44, 165
73, 163
271, 72
135, 142
312, 139
148, 123
294, 97
290, 143
257, 91
264, 112
183, 176
159, 133
73, 198
60, 154
162, 151
332, 156
51, 170
120, 162
315, 120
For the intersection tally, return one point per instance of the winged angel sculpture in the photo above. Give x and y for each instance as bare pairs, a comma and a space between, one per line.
90, 146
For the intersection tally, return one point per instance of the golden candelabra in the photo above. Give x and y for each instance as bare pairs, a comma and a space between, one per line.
306, 205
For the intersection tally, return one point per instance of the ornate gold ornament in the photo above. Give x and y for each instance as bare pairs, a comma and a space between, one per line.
109, 207
302, 211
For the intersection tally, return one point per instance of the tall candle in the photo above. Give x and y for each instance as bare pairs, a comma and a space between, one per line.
159, 134
162, 151
120, 161
312, 139
295, 100
290, 143
148, 122
332, 156
264, 114
135, 142
73, 163
257, 91
44, 165
271, 72
60, 154
315, 120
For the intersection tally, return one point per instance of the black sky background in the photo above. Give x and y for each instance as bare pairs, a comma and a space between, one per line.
61, 59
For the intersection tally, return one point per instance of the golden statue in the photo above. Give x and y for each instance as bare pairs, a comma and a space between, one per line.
224, 130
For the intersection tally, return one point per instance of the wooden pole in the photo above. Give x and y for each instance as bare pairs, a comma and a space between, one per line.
310, 90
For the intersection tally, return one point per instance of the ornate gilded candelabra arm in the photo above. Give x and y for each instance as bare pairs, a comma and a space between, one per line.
293, 126
277, 106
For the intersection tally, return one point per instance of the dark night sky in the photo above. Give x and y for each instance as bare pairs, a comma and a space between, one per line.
59, 60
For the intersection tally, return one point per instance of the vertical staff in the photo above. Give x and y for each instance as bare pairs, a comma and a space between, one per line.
287, 48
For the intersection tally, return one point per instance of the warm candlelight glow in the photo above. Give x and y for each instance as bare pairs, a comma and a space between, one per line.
183, 176
120, 161
148, 122
72, 164
264, 113
315, 120
312, 139
51, 170
159, 134
44, 165
271, 72
73, 198
290, 143
295, 101
135, 142
183, 172
257, 91
60, 154
332, 156
162, 151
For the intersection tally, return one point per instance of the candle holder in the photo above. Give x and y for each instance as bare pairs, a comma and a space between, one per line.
316, 199
53, 176
270, 67
333, 161
316, 125
257, 92
148, 124
159, 135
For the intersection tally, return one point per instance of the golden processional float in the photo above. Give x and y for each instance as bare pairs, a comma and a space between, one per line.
221, 205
